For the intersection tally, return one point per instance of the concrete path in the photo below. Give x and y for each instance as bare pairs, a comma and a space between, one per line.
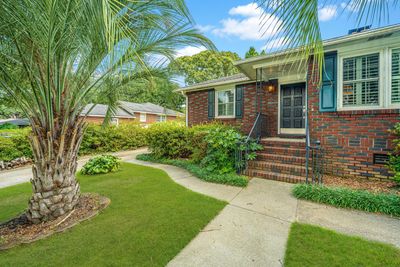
252, 229
24, 174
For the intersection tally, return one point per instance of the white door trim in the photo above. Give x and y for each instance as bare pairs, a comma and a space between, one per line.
288, 130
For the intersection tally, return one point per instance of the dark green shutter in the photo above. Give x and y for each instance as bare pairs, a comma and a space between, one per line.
211, 103
239, 101
327, 94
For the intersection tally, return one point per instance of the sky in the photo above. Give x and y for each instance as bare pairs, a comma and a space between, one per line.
233, 25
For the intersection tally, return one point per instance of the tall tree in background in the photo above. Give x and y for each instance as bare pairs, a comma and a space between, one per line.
297, 25
66, 51
252, 52
206, 65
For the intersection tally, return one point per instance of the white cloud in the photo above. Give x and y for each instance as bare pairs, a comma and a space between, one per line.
204, 28
327, 12
189, 51
274, 44
250, 10
249, 26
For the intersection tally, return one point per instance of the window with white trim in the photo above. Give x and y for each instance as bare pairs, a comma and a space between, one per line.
142, 117
395, 81
225, 103
361, 81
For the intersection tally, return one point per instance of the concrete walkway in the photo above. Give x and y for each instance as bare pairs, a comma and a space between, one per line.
24, 174
252, 229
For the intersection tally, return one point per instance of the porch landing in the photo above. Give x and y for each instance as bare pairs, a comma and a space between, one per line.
281, 159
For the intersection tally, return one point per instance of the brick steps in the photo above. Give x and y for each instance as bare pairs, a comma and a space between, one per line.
275, 176
291, 169
280, 159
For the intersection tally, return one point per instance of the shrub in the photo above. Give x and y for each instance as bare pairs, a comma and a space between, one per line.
198, 171
101, 164
349, 198
7, 126
8, 149
169, 140
394, 160
98, 139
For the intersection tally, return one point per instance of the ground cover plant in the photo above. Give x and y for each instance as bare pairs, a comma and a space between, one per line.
350, 198
314, 246
101, 164
146, 223
196, 170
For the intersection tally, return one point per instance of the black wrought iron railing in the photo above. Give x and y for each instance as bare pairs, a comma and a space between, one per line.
258, 131
315, 158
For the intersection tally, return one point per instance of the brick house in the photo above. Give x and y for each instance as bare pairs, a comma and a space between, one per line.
143, 113
349, 112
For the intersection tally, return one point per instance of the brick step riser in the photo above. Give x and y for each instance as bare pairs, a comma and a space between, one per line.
274, 176
284, 151
283, 144
290, 169
300, 161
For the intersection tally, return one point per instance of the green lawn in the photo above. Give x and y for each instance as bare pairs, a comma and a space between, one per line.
314, 246
150, 219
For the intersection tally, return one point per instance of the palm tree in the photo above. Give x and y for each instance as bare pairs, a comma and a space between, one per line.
66, 49
296, 23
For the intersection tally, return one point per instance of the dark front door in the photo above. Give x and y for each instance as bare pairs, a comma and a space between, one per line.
292, 105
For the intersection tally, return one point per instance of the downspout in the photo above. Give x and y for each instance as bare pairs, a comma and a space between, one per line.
186, 110
307, 129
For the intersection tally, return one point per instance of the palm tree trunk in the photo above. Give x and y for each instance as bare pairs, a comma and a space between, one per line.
55, 188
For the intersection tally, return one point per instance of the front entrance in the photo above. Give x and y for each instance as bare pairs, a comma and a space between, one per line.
292, 108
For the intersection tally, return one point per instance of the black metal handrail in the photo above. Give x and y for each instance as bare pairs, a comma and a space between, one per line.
242, 148
317, 163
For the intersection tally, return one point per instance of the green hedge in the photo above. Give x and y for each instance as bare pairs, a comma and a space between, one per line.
349, 198
212, 146
14, 143
196, 170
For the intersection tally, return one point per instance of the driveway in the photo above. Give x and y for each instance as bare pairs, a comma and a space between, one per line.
252, 229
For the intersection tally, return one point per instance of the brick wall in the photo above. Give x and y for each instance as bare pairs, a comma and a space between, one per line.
198, 110
150, 118
350, 138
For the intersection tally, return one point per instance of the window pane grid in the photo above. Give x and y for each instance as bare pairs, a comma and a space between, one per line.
361, 80
225, 103
395, 76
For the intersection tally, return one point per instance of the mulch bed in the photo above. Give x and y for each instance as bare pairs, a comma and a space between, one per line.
358, 183
20, 231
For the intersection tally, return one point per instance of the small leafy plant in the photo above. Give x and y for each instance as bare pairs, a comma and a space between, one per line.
394, 160
101, 164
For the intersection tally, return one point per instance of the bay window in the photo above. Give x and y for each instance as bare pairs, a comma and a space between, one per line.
225, 103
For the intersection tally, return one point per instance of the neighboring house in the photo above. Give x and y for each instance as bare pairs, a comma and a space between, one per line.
144, 113
349, 112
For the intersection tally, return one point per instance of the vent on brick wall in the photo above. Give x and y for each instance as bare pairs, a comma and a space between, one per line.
381, 159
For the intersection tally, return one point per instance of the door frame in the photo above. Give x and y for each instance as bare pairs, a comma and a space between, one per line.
289, 131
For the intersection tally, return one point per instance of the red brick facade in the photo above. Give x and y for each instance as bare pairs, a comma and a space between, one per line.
198, 111
350, 138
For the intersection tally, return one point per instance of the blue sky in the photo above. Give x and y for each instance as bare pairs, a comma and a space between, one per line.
233, 24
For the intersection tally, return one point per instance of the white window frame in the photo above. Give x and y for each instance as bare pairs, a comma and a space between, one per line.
385, 77
143, 117
224, 89
391, 105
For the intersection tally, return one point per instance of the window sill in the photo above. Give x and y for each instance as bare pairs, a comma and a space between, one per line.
369, 111
225, 117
